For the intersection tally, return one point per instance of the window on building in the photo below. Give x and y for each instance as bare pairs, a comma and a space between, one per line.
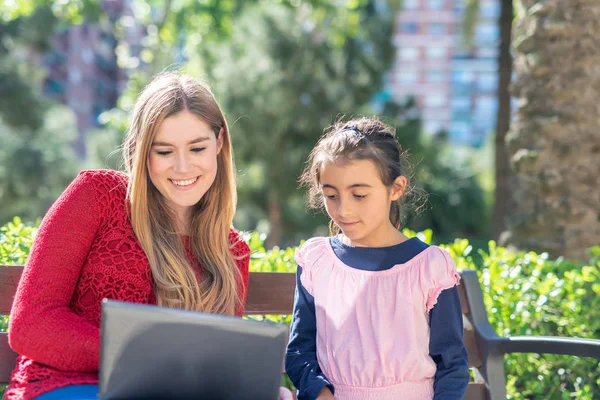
436, 75
436, 28
436, 4
461, 104
409, 53
410, 77
436, 52
462, 77
411, 4
485, 107
487, 82
490, 9
461, 132
487, 52
487, 34
434, 100
461, 52
409, 27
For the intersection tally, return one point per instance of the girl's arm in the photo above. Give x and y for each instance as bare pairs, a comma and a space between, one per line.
446, 347
301, 358
42, 327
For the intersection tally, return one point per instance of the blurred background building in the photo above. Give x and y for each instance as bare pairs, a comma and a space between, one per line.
454, 84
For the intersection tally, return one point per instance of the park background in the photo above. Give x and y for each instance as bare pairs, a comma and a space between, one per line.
496, 102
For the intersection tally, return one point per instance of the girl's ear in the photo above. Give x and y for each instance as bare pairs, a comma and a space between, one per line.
398, 188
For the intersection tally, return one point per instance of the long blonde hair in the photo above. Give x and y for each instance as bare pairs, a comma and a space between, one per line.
176, 282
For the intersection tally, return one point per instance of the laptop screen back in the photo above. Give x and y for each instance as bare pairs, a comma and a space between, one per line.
153, 352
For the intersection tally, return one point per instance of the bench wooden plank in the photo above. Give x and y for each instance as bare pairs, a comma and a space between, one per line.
464, 304
271, 293
476, 391
9, 279
7, 358
470, 342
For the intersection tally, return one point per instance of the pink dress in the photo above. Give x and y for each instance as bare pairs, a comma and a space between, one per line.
373, 326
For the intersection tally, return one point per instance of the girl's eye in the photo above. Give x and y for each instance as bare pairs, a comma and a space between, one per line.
163, 153
331, 196
198, 149
358, 196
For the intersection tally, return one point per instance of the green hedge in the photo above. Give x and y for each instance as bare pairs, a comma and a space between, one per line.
525, 294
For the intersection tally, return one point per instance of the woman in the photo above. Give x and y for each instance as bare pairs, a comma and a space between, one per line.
158, 234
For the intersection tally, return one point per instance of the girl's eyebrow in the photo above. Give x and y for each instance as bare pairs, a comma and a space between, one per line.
353, 186
194, 141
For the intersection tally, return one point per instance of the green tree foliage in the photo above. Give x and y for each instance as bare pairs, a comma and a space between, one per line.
21, 103
284, 75
448, 197
36, 166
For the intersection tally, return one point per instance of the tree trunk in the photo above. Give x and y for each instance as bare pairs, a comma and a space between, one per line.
274, 214
554, 143
502, 193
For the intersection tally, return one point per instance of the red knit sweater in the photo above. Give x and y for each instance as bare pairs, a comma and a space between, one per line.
85, 251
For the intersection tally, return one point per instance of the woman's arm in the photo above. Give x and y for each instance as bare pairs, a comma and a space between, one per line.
42, 326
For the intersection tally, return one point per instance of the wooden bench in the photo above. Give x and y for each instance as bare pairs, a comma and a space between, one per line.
272, 293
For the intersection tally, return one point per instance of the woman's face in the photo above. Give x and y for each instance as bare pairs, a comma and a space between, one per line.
182, 163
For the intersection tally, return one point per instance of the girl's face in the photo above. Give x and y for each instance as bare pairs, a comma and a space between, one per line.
359, 203
182, 163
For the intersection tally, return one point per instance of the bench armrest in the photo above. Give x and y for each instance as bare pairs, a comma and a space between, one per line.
551, 345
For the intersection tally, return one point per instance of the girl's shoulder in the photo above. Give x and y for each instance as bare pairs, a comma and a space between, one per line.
437, 273
311, 251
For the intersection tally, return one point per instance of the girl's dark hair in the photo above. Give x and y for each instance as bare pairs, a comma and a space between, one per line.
358, 139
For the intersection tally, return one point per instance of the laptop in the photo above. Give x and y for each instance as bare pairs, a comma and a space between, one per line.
151, 352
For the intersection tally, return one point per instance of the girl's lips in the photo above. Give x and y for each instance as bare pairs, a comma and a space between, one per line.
348, 223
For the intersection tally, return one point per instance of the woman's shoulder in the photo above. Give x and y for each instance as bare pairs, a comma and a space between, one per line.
103, 181
103, 176
109, 188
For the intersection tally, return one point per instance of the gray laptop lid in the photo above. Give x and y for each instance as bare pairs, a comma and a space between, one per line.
150, 352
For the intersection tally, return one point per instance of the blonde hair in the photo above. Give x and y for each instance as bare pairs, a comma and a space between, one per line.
176, 283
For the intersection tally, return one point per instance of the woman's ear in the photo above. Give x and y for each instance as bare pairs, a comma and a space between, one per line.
220, 140
398, 188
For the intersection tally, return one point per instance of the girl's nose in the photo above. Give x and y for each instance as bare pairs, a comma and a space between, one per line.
344, 209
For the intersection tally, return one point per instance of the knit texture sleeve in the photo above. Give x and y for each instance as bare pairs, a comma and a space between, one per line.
42, 326
241, 254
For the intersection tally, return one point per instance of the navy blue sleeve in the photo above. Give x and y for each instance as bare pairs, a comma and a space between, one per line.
446, 347
301, 362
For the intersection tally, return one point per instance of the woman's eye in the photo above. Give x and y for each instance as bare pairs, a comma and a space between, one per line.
330, 196
358, 196
198, 149
163, 153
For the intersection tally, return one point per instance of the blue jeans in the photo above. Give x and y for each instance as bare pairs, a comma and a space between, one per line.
72, 392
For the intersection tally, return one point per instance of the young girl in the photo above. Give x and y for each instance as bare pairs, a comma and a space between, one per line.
376, 315
158, 234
